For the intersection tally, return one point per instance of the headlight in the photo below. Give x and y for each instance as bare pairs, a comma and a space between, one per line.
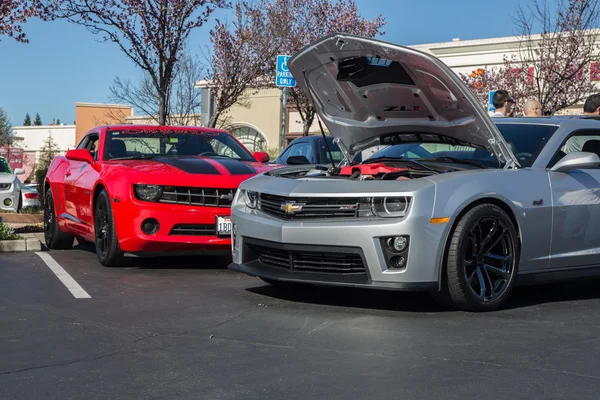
148, 192
390, 207
250, 198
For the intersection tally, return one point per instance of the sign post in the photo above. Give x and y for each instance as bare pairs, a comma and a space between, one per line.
284, 80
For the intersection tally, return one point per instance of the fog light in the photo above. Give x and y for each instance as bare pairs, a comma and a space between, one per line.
399, 262
150, 226
7, 202
397, 244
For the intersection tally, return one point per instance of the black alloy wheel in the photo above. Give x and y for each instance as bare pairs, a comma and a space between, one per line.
54, 238
105, 237
482, 260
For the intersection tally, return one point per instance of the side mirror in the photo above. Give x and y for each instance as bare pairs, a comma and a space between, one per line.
19, 171
80, 155
261, 156
578, 160
297, 160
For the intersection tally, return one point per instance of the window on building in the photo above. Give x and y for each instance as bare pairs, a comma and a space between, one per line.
250, 137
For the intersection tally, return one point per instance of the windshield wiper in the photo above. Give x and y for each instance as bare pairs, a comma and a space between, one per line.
398, 159
459, 161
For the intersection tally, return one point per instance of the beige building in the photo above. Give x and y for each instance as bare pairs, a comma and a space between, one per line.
90, 115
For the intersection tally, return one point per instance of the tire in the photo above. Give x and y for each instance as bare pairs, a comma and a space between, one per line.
482, 261
105, 236
20, 203
54, 238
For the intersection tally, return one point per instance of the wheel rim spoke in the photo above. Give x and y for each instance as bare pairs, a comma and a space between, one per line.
487, 248
500, 272
488, 237
499, 257
481, 282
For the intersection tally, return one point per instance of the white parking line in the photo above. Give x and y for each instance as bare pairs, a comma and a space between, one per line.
64, 277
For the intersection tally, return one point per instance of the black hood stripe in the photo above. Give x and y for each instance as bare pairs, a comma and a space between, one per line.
235, 167
191, 165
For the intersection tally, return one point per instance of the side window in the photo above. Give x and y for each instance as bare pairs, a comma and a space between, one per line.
581, 141
83, 142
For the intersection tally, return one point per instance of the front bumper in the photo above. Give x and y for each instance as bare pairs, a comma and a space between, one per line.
320, 244
181, 229
9, 196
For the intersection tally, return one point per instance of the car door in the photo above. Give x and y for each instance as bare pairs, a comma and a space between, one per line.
78, 184
576, 213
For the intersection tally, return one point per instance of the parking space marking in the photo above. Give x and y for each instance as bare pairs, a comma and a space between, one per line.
76, 290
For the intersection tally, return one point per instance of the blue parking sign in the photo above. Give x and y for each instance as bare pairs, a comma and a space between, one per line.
284, 77
491, 107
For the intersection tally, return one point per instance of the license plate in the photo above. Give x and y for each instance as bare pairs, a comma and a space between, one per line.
223, 226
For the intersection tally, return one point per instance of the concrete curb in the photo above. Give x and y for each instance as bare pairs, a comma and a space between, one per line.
30, 242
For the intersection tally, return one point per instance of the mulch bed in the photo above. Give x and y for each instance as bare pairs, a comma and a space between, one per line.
29, 229
14, 218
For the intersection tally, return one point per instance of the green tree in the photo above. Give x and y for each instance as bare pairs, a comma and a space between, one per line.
27, 121
48, 152
38, 120
5, 128
58, 121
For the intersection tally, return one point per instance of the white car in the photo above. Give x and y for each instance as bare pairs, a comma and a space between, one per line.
10, 187
29, 196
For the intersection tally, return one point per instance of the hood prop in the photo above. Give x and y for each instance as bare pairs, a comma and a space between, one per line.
312, 99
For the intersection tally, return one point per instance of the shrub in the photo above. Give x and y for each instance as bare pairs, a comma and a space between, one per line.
273, 153
48, 152
7, 233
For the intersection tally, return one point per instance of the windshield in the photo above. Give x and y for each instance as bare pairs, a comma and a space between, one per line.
134, 144
525, 141
4, 167
336, 152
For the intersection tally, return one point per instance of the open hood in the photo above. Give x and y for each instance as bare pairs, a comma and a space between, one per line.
369, 92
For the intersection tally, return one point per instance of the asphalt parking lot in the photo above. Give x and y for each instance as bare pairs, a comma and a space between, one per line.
191, 329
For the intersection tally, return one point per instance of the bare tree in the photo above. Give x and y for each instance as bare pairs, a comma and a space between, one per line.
302, 22
152, 33
182, 98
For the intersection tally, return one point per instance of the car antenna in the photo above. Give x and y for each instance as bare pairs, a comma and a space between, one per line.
319, 120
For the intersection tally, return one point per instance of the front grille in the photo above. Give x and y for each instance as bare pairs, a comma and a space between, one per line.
193, 230
5, 186
315, 207
309, 261
197, 196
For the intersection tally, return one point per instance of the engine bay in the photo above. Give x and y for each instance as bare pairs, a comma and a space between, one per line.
385, 170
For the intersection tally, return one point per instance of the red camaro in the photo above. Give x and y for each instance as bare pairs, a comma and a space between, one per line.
147, 190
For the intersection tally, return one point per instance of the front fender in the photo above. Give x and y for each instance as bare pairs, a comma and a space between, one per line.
520, 191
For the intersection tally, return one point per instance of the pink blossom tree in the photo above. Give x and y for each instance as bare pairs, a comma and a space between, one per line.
552, 66
304, 21
151, 33
244, 53
14, 13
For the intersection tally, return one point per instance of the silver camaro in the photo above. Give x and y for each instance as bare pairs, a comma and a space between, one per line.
457, 204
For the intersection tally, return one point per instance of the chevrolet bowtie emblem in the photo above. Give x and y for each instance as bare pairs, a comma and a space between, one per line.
290, 207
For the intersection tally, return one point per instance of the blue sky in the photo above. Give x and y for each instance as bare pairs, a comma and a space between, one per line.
64, 63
